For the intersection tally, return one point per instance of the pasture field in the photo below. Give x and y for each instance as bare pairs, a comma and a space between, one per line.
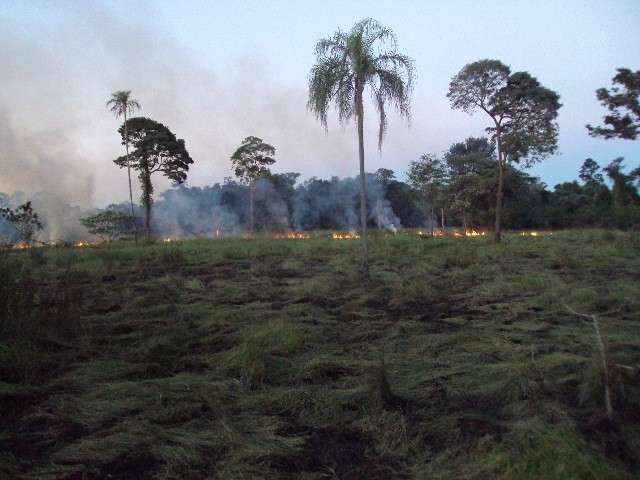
274, 359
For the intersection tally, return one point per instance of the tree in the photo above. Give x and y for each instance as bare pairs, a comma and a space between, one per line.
593, 183
427, 175
120, 104
624, 192
589, 172
623, 104
385, 176
156, 150
250, 162
470, 165
346, 64
523, 114
109, 224
24, 220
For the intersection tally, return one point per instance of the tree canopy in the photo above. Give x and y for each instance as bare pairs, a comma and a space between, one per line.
623, 103
347, 62
156, 149
523, 111
109, 224
251, 159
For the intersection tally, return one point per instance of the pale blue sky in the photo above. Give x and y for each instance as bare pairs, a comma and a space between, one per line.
217, 71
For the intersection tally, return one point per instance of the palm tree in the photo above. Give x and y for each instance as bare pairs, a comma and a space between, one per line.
120, 104
346, 64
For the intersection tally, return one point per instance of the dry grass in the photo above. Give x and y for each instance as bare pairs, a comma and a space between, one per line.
272, 359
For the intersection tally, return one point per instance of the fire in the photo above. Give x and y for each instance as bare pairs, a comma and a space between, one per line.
168, 240
534, 233
345, 236
454, 233
293, 236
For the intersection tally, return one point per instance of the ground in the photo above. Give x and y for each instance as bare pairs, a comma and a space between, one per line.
274, 359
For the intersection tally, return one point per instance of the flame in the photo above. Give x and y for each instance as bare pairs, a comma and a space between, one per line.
293, 236
454, 233
344, 236
534, 233
167, 240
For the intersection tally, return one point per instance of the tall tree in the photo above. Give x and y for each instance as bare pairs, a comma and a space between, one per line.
250, 162
427, 175
347, 63
523, 113
156, 150
623, 104
120, 104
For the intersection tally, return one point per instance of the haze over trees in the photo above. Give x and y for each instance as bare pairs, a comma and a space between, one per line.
156, 149
250, 161
346, 64
523, 113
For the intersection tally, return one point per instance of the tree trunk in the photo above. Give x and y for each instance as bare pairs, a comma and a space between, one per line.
442, 216
251, 207
498, 227
363, 194
431, 219
147, 192
432, 216
126, 147
464, 219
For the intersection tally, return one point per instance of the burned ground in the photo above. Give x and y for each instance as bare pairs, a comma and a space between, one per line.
274, 359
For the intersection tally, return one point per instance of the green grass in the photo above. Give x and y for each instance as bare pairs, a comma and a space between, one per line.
274, 359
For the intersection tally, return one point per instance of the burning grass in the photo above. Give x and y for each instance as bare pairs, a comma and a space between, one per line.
273, 359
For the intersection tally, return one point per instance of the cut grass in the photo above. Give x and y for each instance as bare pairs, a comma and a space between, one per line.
274, 359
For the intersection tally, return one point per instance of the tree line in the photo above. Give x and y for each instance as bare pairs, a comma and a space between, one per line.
474, 179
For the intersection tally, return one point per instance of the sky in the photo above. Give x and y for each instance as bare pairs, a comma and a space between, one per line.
216, 72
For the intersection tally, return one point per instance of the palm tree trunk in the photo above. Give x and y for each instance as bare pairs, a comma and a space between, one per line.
126, 146
363, 194
498, 227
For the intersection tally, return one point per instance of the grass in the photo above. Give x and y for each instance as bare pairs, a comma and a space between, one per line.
273, 359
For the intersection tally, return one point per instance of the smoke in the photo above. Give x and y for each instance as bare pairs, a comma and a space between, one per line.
380, 211
58, 136
45, 161
335, 203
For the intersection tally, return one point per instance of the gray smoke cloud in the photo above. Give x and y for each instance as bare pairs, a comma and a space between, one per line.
58, 136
